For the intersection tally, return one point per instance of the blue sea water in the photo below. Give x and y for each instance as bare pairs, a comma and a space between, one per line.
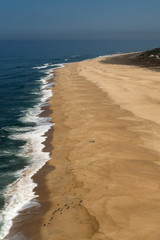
24, 73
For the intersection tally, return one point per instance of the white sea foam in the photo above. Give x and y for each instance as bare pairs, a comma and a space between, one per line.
41, 67
47, 65
59, 65
20, 195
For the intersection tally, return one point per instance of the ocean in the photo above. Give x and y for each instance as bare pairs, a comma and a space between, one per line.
25, 69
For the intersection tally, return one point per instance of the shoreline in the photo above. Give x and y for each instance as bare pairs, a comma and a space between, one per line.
81, 206
108, 161
32, 215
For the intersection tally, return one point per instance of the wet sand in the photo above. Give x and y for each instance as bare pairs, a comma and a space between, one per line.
106, 155
28, 222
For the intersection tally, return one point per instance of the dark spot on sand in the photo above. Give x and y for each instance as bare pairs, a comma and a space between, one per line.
92, 141
44, 225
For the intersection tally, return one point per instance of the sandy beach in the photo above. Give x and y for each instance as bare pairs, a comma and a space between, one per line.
106, 155
80, 120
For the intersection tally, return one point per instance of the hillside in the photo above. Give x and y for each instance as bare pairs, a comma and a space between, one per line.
149, 59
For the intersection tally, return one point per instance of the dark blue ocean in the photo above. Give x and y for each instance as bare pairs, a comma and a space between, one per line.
24, 73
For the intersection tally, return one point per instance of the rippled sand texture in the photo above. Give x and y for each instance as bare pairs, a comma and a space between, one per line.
106, 182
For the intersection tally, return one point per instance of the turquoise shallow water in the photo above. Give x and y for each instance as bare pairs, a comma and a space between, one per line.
24, 71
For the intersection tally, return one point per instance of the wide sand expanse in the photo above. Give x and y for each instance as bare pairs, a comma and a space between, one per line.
106, 182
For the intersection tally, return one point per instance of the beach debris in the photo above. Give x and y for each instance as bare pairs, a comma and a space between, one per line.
92, 141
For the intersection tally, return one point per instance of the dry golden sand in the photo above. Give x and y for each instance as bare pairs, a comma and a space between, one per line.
106, 182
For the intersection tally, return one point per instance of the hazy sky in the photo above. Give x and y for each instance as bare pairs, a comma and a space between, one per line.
80, 19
